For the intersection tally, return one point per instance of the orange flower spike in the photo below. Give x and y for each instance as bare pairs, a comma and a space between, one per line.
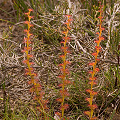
91, 92
61, 76
68, 16
64, 71
93, 106
32, 89
64, 93
30, 69
89, 100
63, 57
97, 41
36, 89
59, 99
67, 23
65, 32
102, 28
90, 72
100, 17
27, 22
30, 10
30, 56
25, 61
66, 38
67, 82
92, 79
65, 106
97, 47
100, 11
95, 69
31, 17
27, 31
69, 20
63, 67
95, 54
64, 48
92, 64
97, 33
27, 13
101, 38
94, 83
27, 48
64, 64
87, 113
94, 118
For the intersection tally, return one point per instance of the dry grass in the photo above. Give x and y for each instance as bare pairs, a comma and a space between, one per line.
16, 102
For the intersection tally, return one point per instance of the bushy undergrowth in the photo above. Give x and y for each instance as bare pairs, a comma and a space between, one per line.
62, 43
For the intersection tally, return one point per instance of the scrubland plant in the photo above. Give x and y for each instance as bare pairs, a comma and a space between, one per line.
64, 70
43, 48
36, 86
95, 69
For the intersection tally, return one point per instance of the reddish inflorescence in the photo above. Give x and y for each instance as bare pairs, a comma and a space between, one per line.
95, 69
36, 88
63, 67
